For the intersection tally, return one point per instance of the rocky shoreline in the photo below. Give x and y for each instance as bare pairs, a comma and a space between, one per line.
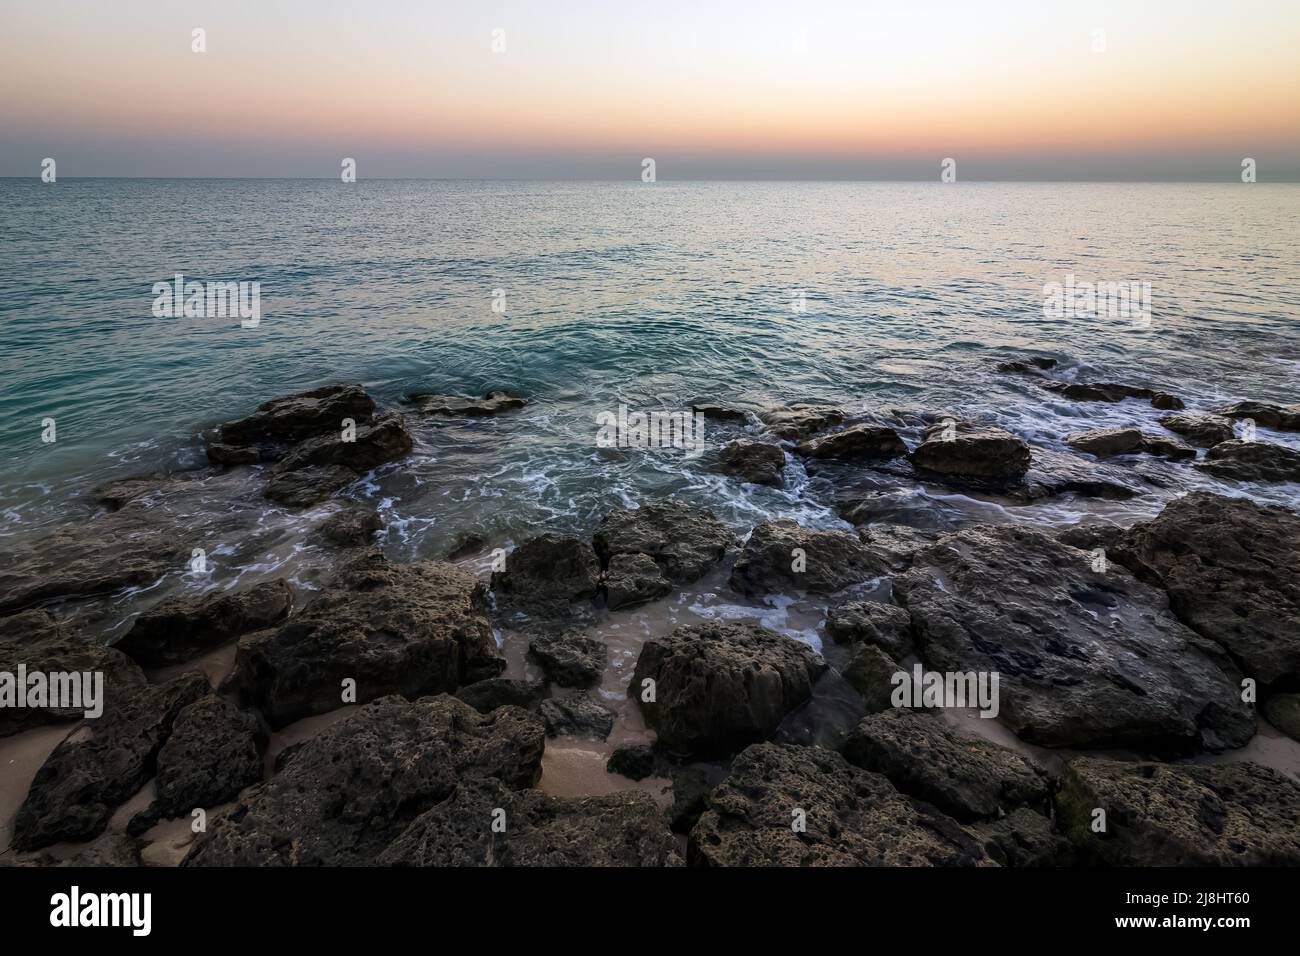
425, 697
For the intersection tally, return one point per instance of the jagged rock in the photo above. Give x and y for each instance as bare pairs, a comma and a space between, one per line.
471, 542
1283, 712
894, 544
800, 420
633, 579
545, 577
830, 560
1023, 838
352, 527
406, 629
1106, 441
181, 628
1098, 391
101, 764
308, 486
462, 406
635, 762
1285, 418
488, 695
964, 776
1252, 461
1162, 446
852, 817
613, 830
1091, 535
1236, 814
354, 788
870, 671
760, 463
720, 686
577, 715
685, 542
872, 622
284, 421
219, 453
1203, 431
1232, 571
1084, 658
570, 659
855, 443
720, 413
381, 440
1167, 402
972, 451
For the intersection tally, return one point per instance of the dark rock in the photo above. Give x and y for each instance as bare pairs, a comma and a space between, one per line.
1106, 441
964, 776
545, 575
354, 788
1023, 838
382, 440
1283, 712
179, 629
1235, 814
1162, 446
870, 671
635, 762
1098, 391
308, 486
292, 418
633, 579
1285, 418
1084, 658
114, 494
720, 413
691, 789
855, 443
760, 463
488, 695
462, 406
974, 451
577, 715
1034, 365
1091, 535
885, 625
570, 659
828, 560
685, 542
801, 420
853, 817
893, 545
471, 542
1252, 461
720, 686
1167, 402
406, 629
219, 453
614, 830
352, 527
111, 849
1203, 431
1232, 571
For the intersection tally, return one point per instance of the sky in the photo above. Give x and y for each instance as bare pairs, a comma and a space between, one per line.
801, 89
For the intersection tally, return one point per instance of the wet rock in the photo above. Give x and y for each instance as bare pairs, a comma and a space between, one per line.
1091, 535
1232, 572
407, 629
1023, 838
1236, 814
545, 575
1106, 441
720, 686
887, 626
1203, 431
354, 788
462, 406
973, 451
870, 671
1098, 391
1167, 402
308, 486
613, 830
894, 544
855, 443
760, 463
685, 542
37, 642
287, 420
352, 527
1083, 658
488, 695
114, 494
219, 453
801, 420
381, 440
964, 776
577, 715
720, 413
101, 764
1162, 446
1033, 365
782, 556
471, 542
634, 762
1285, 418
179, 629
1283, 712
633, 579
570, 659
1252, 461
852, 817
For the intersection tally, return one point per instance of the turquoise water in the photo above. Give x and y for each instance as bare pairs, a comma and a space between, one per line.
648, 294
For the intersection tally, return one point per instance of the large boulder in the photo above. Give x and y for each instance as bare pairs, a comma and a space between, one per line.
855, 443
971, 451
1103, 442
1252, 461
1203, 431
1083, 658
405, 629
633, 579
758, 462
373, 443
894, 544
282, 422
1234, 814
800, 420
720, 686
685, 542
535, 829
180, 628
354, 788
1232, 571
1284, 418
785, 805
545, 575
784, 556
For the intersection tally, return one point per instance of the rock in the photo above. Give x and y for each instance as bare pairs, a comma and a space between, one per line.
830, 561
545, 575
351, 527
870, 672
885, 625
720, 413
852, 817
111, 849
1162, 446
964, 776
461, 406
1106, 441
800, 420
1165, 401
570, 659
983, 452
613, 830
1033, 365
471, 542
308, 486
1203, 431
1098, 391
488, 695
354, 788
407, 629
633, 579
1283, 712
219, 453
382, 440
292, 418
691, 789
101, 765
214, 751
1232, 572
1023, 838
634, 762
38, 642
685, 542
577, 715
1252, 461
855, 443
720, 686
1083, 658
1235, 814
1091, 535
893, 545
114, 494
1050, 473
1284, 418
179, 629
759, 463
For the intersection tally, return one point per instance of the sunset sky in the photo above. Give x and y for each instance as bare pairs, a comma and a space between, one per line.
798, 89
